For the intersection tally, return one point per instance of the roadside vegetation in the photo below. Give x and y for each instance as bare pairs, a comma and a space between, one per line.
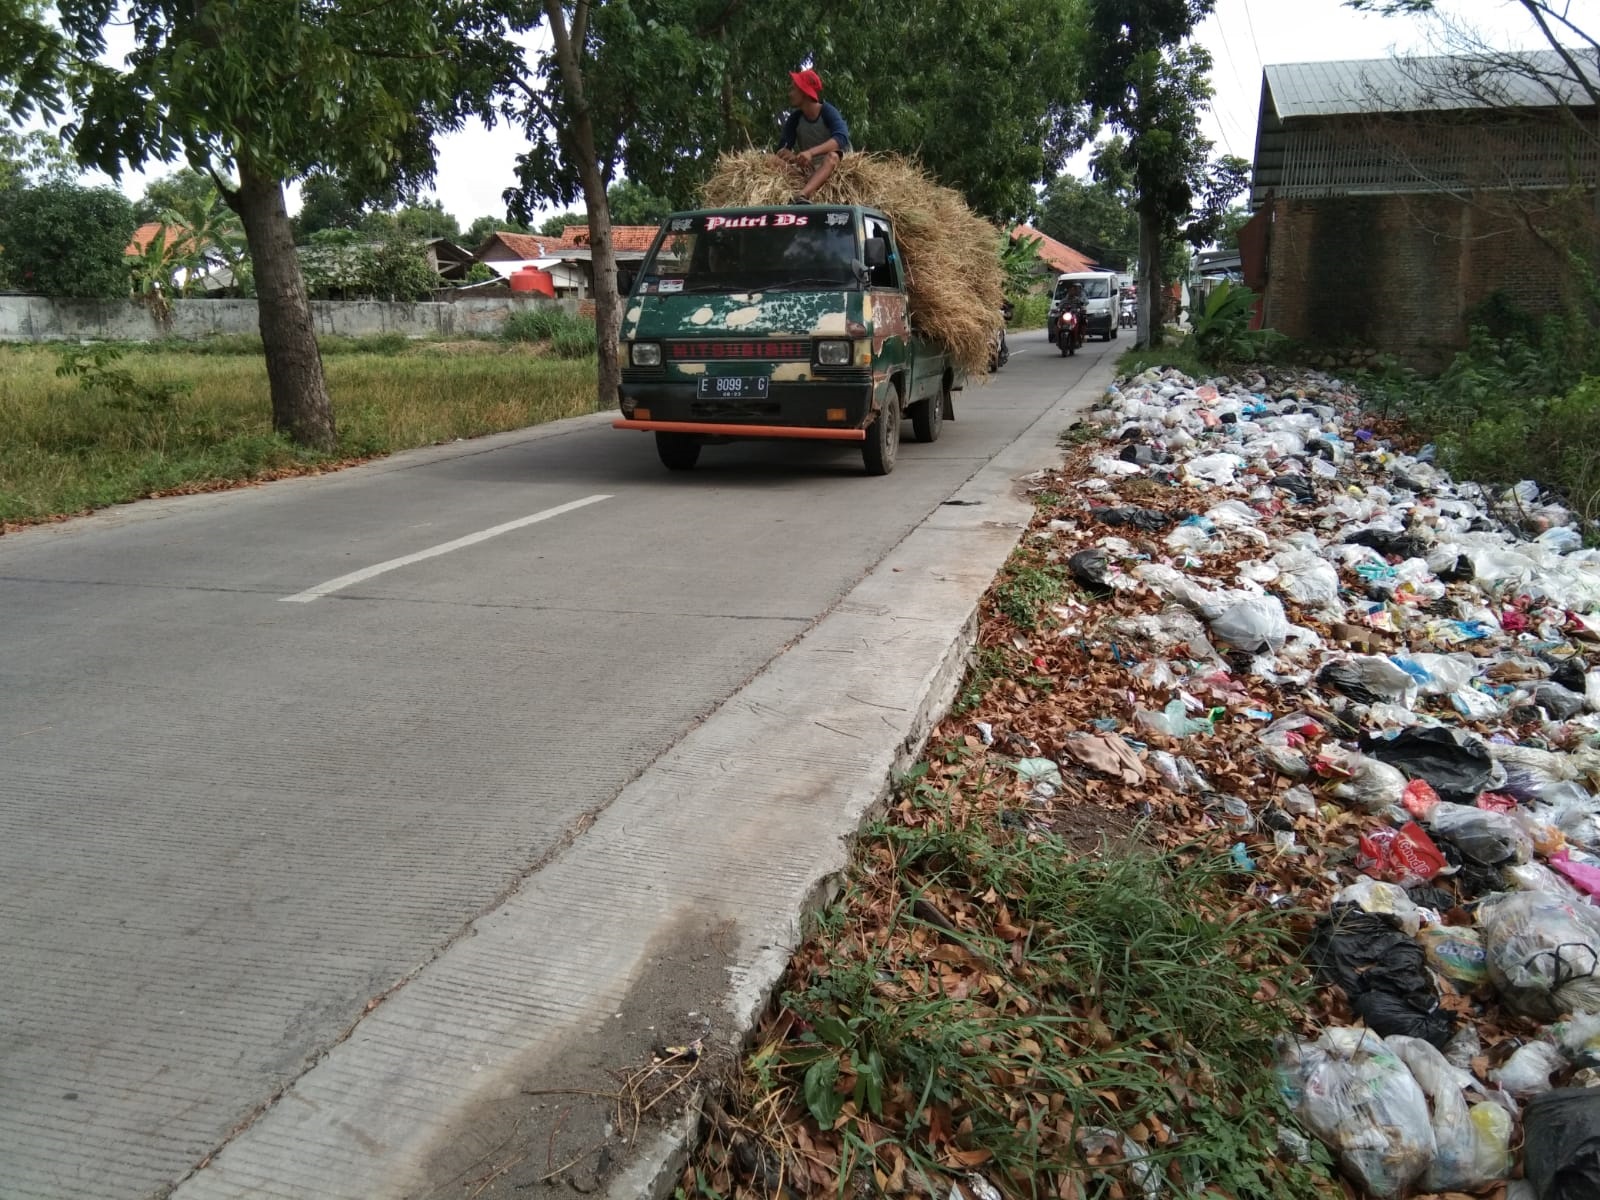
1017, 968
85, 427
1521, 402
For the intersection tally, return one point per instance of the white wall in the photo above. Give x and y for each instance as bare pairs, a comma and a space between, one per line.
44, 319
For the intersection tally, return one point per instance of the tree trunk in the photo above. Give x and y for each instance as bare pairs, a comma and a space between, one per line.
579, 140
300, 406
1152, 304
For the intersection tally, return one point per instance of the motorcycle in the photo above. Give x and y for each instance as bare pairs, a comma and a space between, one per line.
1069, 331
1128, 313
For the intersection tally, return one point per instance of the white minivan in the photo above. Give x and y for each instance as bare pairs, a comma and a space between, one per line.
1100, 294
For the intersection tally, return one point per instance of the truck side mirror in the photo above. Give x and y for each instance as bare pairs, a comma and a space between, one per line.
877, 252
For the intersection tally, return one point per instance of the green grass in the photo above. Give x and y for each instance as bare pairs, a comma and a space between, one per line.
1122, 991
569, 336
1132, 362
200, 416
1027, 588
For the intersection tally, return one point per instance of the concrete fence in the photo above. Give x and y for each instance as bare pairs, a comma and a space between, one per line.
46, 319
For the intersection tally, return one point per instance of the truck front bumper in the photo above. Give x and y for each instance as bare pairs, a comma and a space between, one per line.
838, 407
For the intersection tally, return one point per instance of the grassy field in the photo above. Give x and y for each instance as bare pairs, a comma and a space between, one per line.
160, 419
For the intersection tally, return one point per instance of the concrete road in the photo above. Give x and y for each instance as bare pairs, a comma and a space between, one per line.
264, 755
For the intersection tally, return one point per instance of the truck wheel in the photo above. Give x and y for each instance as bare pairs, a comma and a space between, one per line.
927, 418
1114, 332
678, 451
883, 438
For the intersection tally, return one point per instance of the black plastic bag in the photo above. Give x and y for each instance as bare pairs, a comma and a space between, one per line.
1300, 487
1570, 673
1461, 572
1561, 1158
1402, 545
1383, 972
1458, 770
1559, 702
1346, 679
1144, 456
1151, 520
1088, 567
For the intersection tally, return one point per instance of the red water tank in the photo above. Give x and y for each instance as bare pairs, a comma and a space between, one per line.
532, 279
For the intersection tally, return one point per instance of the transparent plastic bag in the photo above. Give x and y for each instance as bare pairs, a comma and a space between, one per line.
1470, 1151
1490, 838
1306, 577
1527, 1072
1375, 896
1372, 786
1543, 952
1363, 1103
1253, 624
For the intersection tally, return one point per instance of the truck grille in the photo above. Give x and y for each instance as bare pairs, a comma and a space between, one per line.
789, 349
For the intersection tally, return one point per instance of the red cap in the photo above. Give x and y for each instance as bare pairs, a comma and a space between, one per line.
809, 83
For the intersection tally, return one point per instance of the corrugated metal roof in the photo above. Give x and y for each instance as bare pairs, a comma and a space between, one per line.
1532, 79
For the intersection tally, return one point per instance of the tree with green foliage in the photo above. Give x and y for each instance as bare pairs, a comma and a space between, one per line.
634, 204
1145, 76
212, 235
422, 219
33, 157
262, 92
1094, 216
554, 226
326, 203
482, 227
181, 188
65, 240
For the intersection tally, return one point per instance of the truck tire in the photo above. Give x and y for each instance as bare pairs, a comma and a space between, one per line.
883, 438
678, 451
1114, 332
927, 417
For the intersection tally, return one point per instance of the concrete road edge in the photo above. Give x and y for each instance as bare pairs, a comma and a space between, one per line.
737, 833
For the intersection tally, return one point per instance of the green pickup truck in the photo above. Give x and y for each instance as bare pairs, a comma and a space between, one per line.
784, 322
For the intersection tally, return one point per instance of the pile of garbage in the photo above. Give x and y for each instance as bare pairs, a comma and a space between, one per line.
1383, 686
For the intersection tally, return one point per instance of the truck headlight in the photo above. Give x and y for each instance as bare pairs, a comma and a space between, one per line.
646, 354
835, 353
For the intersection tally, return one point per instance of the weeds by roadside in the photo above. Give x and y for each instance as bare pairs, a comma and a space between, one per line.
984, 998
150, 421
569, 336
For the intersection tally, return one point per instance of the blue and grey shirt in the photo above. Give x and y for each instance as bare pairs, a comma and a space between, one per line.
802, 134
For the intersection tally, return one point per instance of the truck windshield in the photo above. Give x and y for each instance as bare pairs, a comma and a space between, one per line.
749, 252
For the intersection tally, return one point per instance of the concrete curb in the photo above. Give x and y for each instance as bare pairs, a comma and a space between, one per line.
731, 839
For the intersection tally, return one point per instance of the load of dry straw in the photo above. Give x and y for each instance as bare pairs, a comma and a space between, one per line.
951, 254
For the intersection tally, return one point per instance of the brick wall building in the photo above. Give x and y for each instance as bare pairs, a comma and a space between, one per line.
1392, 198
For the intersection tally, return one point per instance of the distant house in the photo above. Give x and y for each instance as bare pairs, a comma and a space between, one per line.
451, 261
1061, 258
567, 257
1393, 195
177, 238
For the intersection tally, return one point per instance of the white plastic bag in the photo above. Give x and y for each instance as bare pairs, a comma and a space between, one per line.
1253, 624
1527, 1072
1375, 896
1363, 1103
1372, 786
1468, 1153
1218, 469
1306, 577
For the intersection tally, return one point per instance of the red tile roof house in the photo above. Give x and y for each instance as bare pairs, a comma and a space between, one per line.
565, 257
1061, 258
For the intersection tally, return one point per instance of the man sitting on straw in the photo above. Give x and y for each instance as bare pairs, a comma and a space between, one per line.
814, 134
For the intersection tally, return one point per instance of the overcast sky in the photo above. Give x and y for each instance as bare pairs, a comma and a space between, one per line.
476, 165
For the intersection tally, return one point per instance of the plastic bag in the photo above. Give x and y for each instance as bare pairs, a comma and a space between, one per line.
1364, 1104
1306, 578
1543, 953
1387, 899
1372, 786
1253, 624
1584, 877
1455, 953
1406, 856
1562, 1144
1367, 679
1488, 838
1173, 721
1470, 1150
1444, 673
1089, 568
1458, 766
1527, 1072
1382, 971
1218, 469
1556, 700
